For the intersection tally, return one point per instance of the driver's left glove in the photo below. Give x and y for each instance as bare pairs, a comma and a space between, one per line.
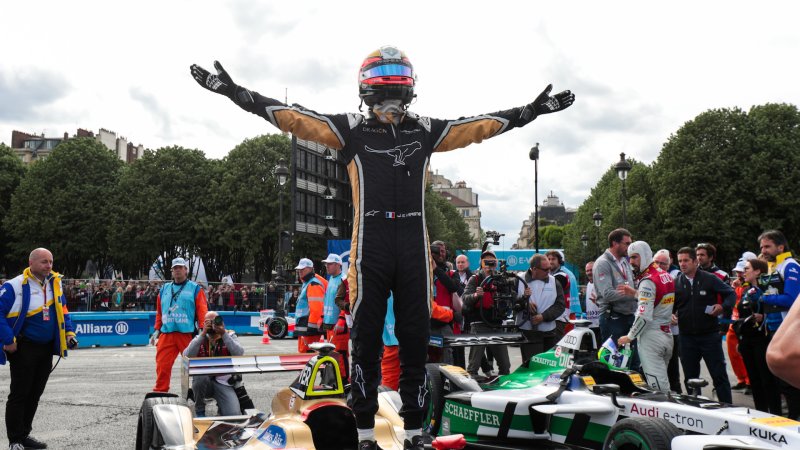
546, 104
221, 83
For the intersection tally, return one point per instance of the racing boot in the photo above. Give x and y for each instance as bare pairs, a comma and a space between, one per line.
416, 443
368, 445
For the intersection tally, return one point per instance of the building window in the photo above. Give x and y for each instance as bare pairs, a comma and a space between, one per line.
466, 212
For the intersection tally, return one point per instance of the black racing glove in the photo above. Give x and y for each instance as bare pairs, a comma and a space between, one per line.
221, 83
545, 104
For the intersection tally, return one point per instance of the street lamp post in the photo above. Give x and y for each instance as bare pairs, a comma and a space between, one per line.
598, 220
534, 155
282, 174
584, 244
622, 168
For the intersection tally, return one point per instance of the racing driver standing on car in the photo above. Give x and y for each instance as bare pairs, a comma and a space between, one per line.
387, 153
656, 294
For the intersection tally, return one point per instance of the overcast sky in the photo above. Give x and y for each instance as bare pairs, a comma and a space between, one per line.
638, 71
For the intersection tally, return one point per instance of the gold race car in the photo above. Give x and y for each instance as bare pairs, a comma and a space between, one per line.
311, 413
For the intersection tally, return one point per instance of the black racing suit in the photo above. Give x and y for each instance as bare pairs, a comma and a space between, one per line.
387, 166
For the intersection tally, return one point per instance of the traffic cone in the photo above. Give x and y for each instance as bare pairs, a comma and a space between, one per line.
265, 338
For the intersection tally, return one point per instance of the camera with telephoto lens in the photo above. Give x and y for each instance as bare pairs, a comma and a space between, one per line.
503, 287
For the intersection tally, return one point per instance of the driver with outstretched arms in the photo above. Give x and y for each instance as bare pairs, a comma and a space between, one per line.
386, 151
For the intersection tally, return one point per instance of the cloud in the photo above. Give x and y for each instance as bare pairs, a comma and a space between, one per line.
154, 108
26, 94
256, 19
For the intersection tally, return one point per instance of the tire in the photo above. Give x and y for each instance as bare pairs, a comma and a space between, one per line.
277, 328
641, 433
433, 411
146, 427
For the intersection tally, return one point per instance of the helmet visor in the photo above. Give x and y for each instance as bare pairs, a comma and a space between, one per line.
387, 70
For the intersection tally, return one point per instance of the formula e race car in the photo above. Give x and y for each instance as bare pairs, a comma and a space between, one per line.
568, 397
309, 414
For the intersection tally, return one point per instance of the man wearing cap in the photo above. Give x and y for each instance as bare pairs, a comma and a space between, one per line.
310, 305
181, 304
656, 294
333, 320
731, 340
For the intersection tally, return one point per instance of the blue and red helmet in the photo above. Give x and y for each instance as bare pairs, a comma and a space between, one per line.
386, 74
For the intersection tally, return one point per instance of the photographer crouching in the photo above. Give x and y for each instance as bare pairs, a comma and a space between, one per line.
487, 305
215, 340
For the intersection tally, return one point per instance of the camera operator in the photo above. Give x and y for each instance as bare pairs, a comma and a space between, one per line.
215, 340
478, 303
537, 316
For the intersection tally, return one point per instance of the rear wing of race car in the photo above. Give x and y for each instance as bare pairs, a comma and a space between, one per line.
229, 365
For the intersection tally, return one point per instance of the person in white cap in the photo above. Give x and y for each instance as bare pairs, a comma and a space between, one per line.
180, 305
731, 340
333, 320
656, 294
308, 312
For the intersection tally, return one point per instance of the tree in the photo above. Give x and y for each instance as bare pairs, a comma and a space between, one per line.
159, 204
247, 205
727, 175
11, 173
63, 205
445, 223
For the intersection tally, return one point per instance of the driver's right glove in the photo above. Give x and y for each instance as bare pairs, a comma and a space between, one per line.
221, 83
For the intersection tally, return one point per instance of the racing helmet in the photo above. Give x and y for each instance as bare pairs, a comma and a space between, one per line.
642, 249
386, 74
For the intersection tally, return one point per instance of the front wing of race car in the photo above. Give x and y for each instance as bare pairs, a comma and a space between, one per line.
311, 413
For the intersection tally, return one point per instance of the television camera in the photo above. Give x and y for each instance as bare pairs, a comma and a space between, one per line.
502, 285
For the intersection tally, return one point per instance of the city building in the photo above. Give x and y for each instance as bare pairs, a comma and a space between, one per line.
30, 147
551, 212
462, 197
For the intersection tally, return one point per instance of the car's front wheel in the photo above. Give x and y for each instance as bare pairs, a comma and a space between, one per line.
146, 429
641, 433
433, 415
277, 328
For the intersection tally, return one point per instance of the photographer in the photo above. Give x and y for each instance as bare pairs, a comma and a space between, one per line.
215, 340
444, 288
480, 303
545, 304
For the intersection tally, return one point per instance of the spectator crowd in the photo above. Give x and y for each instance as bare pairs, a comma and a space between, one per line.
86, 295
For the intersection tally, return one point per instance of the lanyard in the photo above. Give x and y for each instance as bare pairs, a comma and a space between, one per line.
174, 294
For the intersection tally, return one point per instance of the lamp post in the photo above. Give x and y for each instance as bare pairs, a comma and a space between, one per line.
598, 220
622, 168
282, 174
584, 243
534, 155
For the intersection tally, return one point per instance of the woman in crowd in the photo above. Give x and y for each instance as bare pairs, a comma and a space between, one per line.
754, 333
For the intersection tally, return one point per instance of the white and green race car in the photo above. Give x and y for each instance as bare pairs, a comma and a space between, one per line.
567, 398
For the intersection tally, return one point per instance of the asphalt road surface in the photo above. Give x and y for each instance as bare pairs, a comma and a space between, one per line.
93, 397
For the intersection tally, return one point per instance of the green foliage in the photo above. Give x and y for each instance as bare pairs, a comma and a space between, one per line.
159, 204
11, 172
63, 204
551, 236
723, 177
445, 223
246, 200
